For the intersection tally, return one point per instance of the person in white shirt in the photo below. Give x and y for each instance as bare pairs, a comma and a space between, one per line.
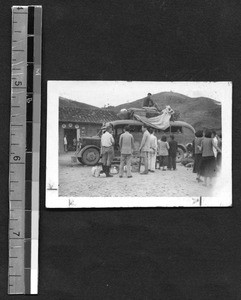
107, 150
65, 144
153, 151
215, 144
145, 148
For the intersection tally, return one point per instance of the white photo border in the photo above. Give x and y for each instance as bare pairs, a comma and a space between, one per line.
222, 199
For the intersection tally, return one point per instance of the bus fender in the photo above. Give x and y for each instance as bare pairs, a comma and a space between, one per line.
184, 148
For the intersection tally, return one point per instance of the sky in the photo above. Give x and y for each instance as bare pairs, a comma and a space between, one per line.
100, 93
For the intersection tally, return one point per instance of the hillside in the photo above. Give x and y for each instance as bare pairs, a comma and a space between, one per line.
199, 112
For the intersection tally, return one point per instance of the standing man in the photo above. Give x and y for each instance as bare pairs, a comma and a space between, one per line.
172, 152
126, 143
153, 151
107, 150
145, 147
65, 143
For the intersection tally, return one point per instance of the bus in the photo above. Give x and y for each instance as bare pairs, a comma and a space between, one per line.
88, 151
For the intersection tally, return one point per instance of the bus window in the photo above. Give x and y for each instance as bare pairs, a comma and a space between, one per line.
176, 129
135, 128
119, 130
160, 131
137, 134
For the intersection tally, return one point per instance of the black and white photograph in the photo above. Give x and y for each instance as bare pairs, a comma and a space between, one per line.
138, 144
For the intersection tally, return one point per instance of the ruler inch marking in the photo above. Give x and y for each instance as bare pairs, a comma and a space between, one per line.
19, 87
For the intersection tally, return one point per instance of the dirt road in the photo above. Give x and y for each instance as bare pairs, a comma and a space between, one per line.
76, 180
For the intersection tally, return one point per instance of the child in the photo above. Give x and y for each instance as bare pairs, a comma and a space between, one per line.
162, 150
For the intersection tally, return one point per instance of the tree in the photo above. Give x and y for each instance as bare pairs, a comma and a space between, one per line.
108, 106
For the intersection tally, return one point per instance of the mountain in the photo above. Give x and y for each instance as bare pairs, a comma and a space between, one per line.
64, 102
200, 112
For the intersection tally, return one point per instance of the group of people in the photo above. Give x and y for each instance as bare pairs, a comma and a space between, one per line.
151, 151
207, 155
206, 149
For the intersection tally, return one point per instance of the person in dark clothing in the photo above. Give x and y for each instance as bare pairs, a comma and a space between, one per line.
219, 156
148, 102
162, 150
172, 153
197, 153
74, 144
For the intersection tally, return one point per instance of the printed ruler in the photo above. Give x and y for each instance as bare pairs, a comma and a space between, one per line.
24, 149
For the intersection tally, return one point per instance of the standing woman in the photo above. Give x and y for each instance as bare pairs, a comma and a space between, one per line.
162, 150
219, 156
198, 153
208, 163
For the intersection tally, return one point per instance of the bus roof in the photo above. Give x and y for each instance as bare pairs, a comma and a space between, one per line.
182, 123
134, 122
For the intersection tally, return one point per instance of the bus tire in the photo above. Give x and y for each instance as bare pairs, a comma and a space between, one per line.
90, 156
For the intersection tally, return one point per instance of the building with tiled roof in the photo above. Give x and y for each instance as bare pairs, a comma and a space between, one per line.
75, 122
79, 115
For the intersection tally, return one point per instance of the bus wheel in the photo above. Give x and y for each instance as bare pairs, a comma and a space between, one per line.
90, 157
180, 154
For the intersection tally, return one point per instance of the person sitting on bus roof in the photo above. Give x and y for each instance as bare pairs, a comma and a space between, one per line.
148, 102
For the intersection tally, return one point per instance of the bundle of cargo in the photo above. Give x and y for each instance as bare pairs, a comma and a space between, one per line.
147, 112
161, 121
123, 114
